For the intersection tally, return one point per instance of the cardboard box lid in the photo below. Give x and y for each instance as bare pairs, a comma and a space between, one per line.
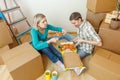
19, 56
5, 37
72, 60
110, 62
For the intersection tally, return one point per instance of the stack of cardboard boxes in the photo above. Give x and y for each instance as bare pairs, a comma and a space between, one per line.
97, 10
105, 64
23, 62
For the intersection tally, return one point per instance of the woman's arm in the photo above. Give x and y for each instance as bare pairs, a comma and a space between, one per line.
37, 44
59, 29
54, 28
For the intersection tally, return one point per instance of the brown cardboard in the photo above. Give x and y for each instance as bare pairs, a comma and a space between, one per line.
23, 62
104, 65
5, 37
71, 60
4, 73
110, 38
95, 19
25, 38
101, 5
3, 49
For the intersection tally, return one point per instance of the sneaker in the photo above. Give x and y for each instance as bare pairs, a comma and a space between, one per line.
79, 70
47, 75
54, 75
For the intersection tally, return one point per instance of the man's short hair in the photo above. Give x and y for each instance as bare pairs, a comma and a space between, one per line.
75, 16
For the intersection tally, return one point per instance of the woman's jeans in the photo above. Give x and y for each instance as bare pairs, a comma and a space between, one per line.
53, 54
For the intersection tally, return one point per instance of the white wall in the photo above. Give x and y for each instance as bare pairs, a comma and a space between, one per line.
56, 11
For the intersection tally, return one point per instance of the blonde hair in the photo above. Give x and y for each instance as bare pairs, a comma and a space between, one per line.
37, 18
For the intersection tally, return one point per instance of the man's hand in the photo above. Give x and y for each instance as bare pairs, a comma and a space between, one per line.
79, 41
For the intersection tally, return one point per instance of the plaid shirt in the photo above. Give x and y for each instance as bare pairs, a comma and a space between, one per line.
87, 32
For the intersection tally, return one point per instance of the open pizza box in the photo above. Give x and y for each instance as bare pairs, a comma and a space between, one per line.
70, 58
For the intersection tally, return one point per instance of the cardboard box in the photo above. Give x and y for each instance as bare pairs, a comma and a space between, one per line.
110, 38
23, 62
5, 37
101, 5
3, 49
104, 65
71, 60
95, 19
4, 73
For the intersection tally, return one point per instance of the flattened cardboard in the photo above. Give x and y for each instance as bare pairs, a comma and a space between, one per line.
110, 38
71, 60
101, 5
5, 36
105, 65
23, 62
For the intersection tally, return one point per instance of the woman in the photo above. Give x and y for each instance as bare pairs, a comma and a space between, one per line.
41, 43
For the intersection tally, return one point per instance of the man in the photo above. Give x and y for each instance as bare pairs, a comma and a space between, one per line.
86, 35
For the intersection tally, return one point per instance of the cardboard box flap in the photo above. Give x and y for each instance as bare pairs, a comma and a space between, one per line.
106, 64
17, 53
72, 60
